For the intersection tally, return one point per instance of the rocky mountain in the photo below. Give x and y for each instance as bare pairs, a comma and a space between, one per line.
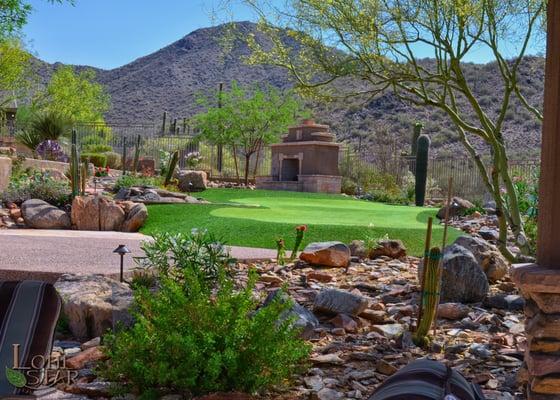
172, 78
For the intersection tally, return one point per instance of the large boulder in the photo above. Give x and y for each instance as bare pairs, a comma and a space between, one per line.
192, 181
335, 301
85, 213
98, 213
457, 208
492, 262
92, 304
135, 218
388, 248
302, 317
39, 214
463, 280
326, 254
111, 215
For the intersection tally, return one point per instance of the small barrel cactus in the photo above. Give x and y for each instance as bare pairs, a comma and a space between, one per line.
421, 171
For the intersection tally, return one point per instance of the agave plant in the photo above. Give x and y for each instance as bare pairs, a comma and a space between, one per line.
29, 139
50, 126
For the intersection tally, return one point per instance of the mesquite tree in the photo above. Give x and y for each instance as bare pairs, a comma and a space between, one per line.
367, 47
247, 120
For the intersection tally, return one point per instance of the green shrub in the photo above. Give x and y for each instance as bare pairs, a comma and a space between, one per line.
97, 159
97, 148
197, 336
127, 181
349, 186
170, 254
113, 160
36, 185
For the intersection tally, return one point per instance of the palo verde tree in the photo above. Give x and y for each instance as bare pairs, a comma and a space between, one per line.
75, 96
246, 120
367, 47
15, 71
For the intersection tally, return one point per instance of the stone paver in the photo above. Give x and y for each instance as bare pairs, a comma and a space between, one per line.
46, 254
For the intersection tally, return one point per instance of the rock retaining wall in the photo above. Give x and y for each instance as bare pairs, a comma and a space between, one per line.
6, 168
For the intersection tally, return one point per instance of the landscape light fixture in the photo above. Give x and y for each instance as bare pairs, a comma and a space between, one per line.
122, 250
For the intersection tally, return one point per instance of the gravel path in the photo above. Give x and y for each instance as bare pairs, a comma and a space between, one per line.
46, 254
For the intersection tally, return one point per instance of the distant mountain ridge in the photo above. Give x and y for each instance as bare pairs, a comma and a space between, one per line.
171, 78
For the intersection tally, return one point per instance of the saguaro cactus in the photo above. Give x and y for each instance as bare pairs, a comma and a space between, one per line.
430, 296
415, 135
124, 156
421, 171
74, 165
136, 154
164, 123
84, 176
171, 169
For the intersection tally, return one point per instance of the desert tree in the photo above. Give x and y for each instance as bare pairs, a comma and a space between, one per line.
336, 48
248, 119
14, 70
75, 96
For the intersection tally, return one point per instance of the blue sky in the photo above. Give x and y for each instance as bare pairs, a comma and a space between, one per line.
111, 33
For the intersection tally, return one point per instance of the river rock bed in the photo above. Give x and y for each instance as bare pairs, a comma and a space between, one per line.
354, 352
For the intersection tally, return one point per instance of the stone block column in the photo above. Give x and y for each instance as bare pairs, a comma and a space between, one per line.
540, 282
541, 288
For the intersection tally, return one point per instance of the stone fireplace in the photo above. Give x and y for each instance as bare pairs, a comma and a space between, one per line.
305, 161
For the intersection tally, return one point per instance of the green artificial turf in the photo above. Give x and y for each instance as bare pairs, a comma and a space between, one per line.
257, 218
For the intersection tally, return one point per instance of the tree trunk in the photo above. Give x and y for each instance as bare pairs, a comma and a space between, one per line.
257, 160
234, 151
247, 160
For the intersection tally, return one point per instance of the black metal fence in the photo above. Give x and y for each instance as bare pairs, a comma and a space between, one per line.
157, 144
467, 180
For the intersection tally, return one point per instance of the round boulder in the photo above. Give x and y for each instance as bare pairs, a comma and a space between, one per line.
457, 208
388, 248
463, 280
492, 262
39, 214
326, 254
192, 181
135, 218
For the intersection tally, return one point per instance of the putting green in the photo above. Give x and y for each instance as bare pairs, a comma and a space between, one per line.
257, 218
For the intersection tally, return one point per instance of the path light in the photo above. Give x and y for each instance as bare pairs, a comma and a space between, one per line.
122, 250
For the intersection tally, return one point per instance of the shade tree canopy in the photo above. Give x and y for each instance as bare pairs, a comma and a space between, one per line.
368, 47
247, 119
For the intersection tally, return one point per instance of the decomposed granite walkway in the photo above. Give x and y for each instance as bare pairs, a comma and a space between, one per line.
47, 254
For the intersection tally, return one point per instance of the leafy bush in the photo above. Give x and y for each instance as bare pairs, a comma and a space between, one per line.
127, 181
36, 185
97, 148
113, 160
97, 159
198, 336
171, 254
528, 199
349, 186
